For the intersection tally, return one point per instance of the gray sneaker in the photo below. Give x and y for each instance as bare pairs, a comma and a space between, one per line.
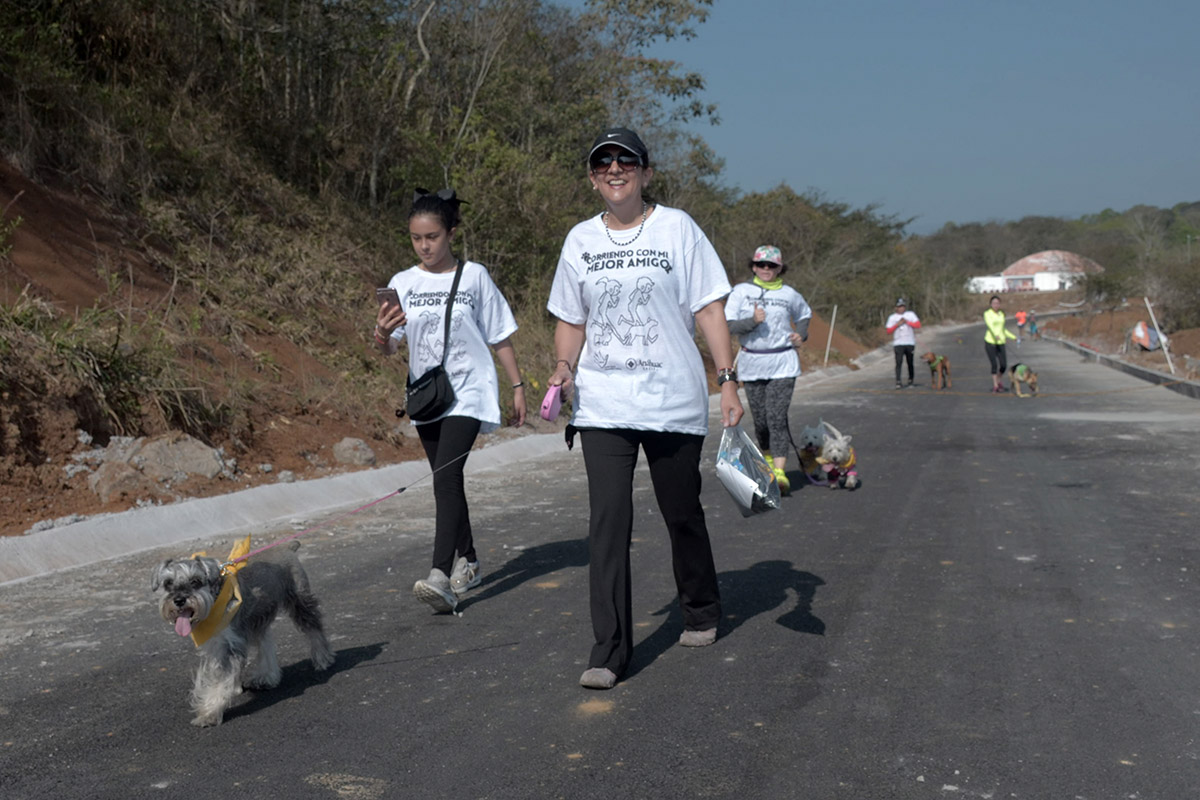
465, 575
598, 678
435, 590
698, 638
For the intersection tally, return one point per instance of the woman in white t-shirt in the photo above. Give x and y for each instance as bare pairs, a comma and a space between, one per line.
771, 321
480, 317
631, 286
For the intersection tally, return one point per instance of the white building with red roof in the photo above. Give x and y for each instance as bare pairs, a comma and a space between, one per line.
1047, 271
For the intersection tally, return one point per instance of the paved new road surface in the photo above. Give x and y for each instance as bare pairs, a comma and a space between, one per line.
1007, 609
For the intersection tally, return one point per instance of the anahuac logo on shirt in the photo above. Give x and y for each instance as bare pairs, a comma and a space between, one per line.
628, 259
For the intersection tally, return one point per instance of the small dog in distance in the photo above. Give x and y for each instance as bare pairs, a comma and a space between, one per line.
939, 370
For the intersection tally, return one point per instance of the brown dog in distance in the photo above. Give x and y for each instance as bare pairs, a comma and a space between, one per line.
939, 370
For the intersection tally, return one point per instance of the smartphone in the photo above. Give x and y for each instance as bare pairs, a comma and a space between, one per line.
387, 296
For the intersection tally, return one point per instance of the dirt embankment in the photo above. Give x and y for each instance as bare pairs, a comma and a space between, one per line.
70, 252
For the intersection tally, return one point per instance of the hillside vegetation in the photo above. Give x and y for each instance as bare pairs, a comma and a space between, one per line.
198, 196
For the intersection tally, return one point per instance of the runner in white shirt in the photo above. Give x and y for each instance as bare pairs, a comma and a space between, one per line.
631, 286
479, 318
902, 325
770, 320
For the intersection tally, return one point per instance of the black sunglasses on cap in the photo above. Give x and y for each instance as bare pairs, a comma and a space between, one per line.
602, 161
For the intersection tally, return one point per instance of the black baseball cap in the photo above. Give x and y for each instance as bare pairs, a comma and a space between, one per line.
623, 138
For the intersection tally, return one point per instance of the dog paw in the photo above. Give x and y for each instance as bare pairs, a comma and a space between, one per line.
260, 684
207, 721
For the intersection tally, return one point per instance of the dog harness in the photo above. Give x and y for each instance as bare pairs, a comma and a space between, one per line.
933, 365
1020, 370
229, 599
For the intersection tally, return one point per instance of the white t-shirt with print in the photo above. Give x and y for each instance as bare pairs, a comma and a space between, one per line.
784, 306
480, 318
904, 334
640, 367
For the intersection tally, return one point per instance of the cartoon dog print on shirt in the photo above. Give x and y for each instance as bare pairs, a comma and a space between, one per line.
629, 327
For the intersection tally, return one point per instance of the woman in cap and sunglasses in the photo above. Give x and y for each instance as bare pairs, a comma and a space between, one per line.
632, 284
770, 320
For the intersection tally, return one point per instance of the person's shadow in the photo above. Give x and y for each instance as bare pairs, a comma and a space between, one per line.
531, 563
760, 589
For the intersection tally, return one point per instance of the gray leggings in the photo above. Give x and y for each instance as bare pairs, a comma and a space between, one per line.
769, 401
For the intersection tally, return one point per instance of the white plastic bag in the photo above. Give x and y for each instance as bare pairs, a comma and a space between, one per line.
745, 473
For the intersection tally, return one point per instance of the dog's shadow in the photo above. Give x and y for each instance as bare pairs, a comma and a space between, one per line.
300, 677
745, 594
529, 564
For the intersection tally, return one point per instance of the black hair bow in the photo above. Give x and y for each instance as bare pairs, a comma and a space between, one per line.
442, 194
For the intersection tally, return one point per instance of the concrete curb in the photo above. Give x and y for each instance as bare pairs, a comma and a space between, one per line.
113, 535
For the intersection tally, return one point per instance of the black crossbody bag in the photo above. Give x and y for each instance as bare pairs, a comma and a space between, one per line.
431, 395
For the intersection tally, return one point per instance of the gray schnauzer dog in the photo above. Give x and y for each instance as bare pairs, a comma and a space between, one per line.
271, 582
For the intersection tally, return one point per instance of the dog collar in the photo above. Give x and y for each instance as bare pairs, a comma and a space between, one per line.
229, 599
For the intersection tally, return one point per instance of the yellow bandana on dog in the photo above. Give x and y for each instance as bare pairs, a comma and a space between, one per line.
228, 601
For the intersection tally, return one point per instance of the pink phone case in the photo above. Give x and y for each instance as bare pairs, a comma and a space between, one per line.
552, 403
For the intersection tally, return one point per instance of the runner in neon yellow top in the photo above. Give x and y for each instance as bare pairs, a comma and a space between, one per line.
994, 337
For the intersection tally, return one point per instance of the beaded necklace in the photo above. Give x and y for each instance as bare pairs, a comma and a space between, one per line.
608, 233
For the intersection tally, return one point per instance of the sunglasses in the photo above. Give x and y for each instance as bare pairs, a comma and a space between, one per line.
766, 264
602, 161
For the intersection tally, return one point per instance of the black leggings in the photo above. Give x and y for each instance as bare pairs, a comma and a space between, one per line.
445, 440
904, 352
769, 401
995, 353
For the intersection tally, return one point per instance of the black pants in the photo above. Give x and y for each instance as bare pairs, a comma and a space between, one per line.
904, 352
444, 440
610, 457
995, 354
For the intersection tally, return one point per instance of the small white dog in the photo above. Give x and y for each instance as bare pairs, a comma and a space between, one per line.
838, 459
233, 628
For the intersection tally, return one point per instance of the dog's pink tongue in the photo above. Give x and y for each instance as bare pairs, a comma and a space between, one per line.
183, 625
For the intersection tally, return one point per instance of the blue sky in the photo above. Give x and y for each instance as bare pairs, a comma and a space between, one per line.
955, 110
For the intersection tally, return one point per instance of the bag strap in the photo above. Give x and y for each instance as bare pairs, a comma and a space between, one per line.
449, 305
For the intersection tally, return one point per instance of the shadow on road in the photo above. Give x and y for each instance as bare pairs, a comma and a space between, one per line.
299, 677
533, 562
760, 589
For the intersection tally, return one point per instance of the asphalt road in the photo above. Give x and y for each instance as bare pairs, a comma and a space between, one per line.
1004, 610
